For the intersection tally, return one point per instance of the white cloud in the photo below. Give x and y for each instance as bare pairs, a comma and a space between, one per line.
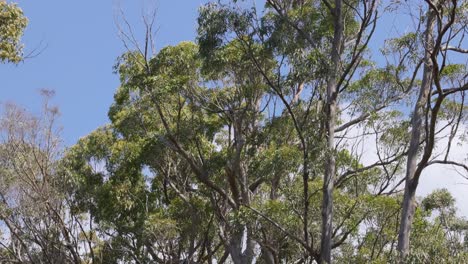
448, 176
433, 177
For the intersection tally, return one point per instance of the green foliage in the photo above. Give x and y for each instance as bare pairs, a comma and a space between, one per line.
439, 199
12, 24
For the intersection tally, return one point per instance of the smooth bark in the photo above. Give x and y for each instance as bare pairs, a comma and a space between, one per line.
330, 166
417, 132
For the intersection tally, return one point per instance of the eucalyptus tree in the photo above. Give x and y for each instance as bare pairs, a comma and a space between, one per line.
318, 47
140, 182
191, 139
443, 82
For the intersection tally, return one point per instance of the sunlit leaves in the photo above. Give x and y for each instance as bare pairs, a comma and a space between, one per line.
12, 24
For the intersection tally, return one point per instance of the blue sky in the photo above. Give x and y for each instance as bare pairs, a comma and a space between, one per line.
80, 45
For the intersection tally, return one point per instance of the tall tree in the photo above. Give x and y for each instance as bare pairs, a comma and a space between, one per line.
330, 120
443, 28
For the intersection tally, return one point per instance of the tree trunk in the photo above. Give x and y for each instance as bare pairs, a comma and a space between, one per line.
268, 256
240, 253
409, 199
330, 166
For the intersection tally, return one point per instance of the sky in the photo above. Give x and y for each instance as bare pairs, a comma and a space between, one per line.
435, 176
77, 44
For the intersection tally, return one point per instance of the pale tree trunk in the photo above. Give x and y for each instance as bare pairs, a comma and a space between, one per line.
330, 166
417, 131
241, 248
